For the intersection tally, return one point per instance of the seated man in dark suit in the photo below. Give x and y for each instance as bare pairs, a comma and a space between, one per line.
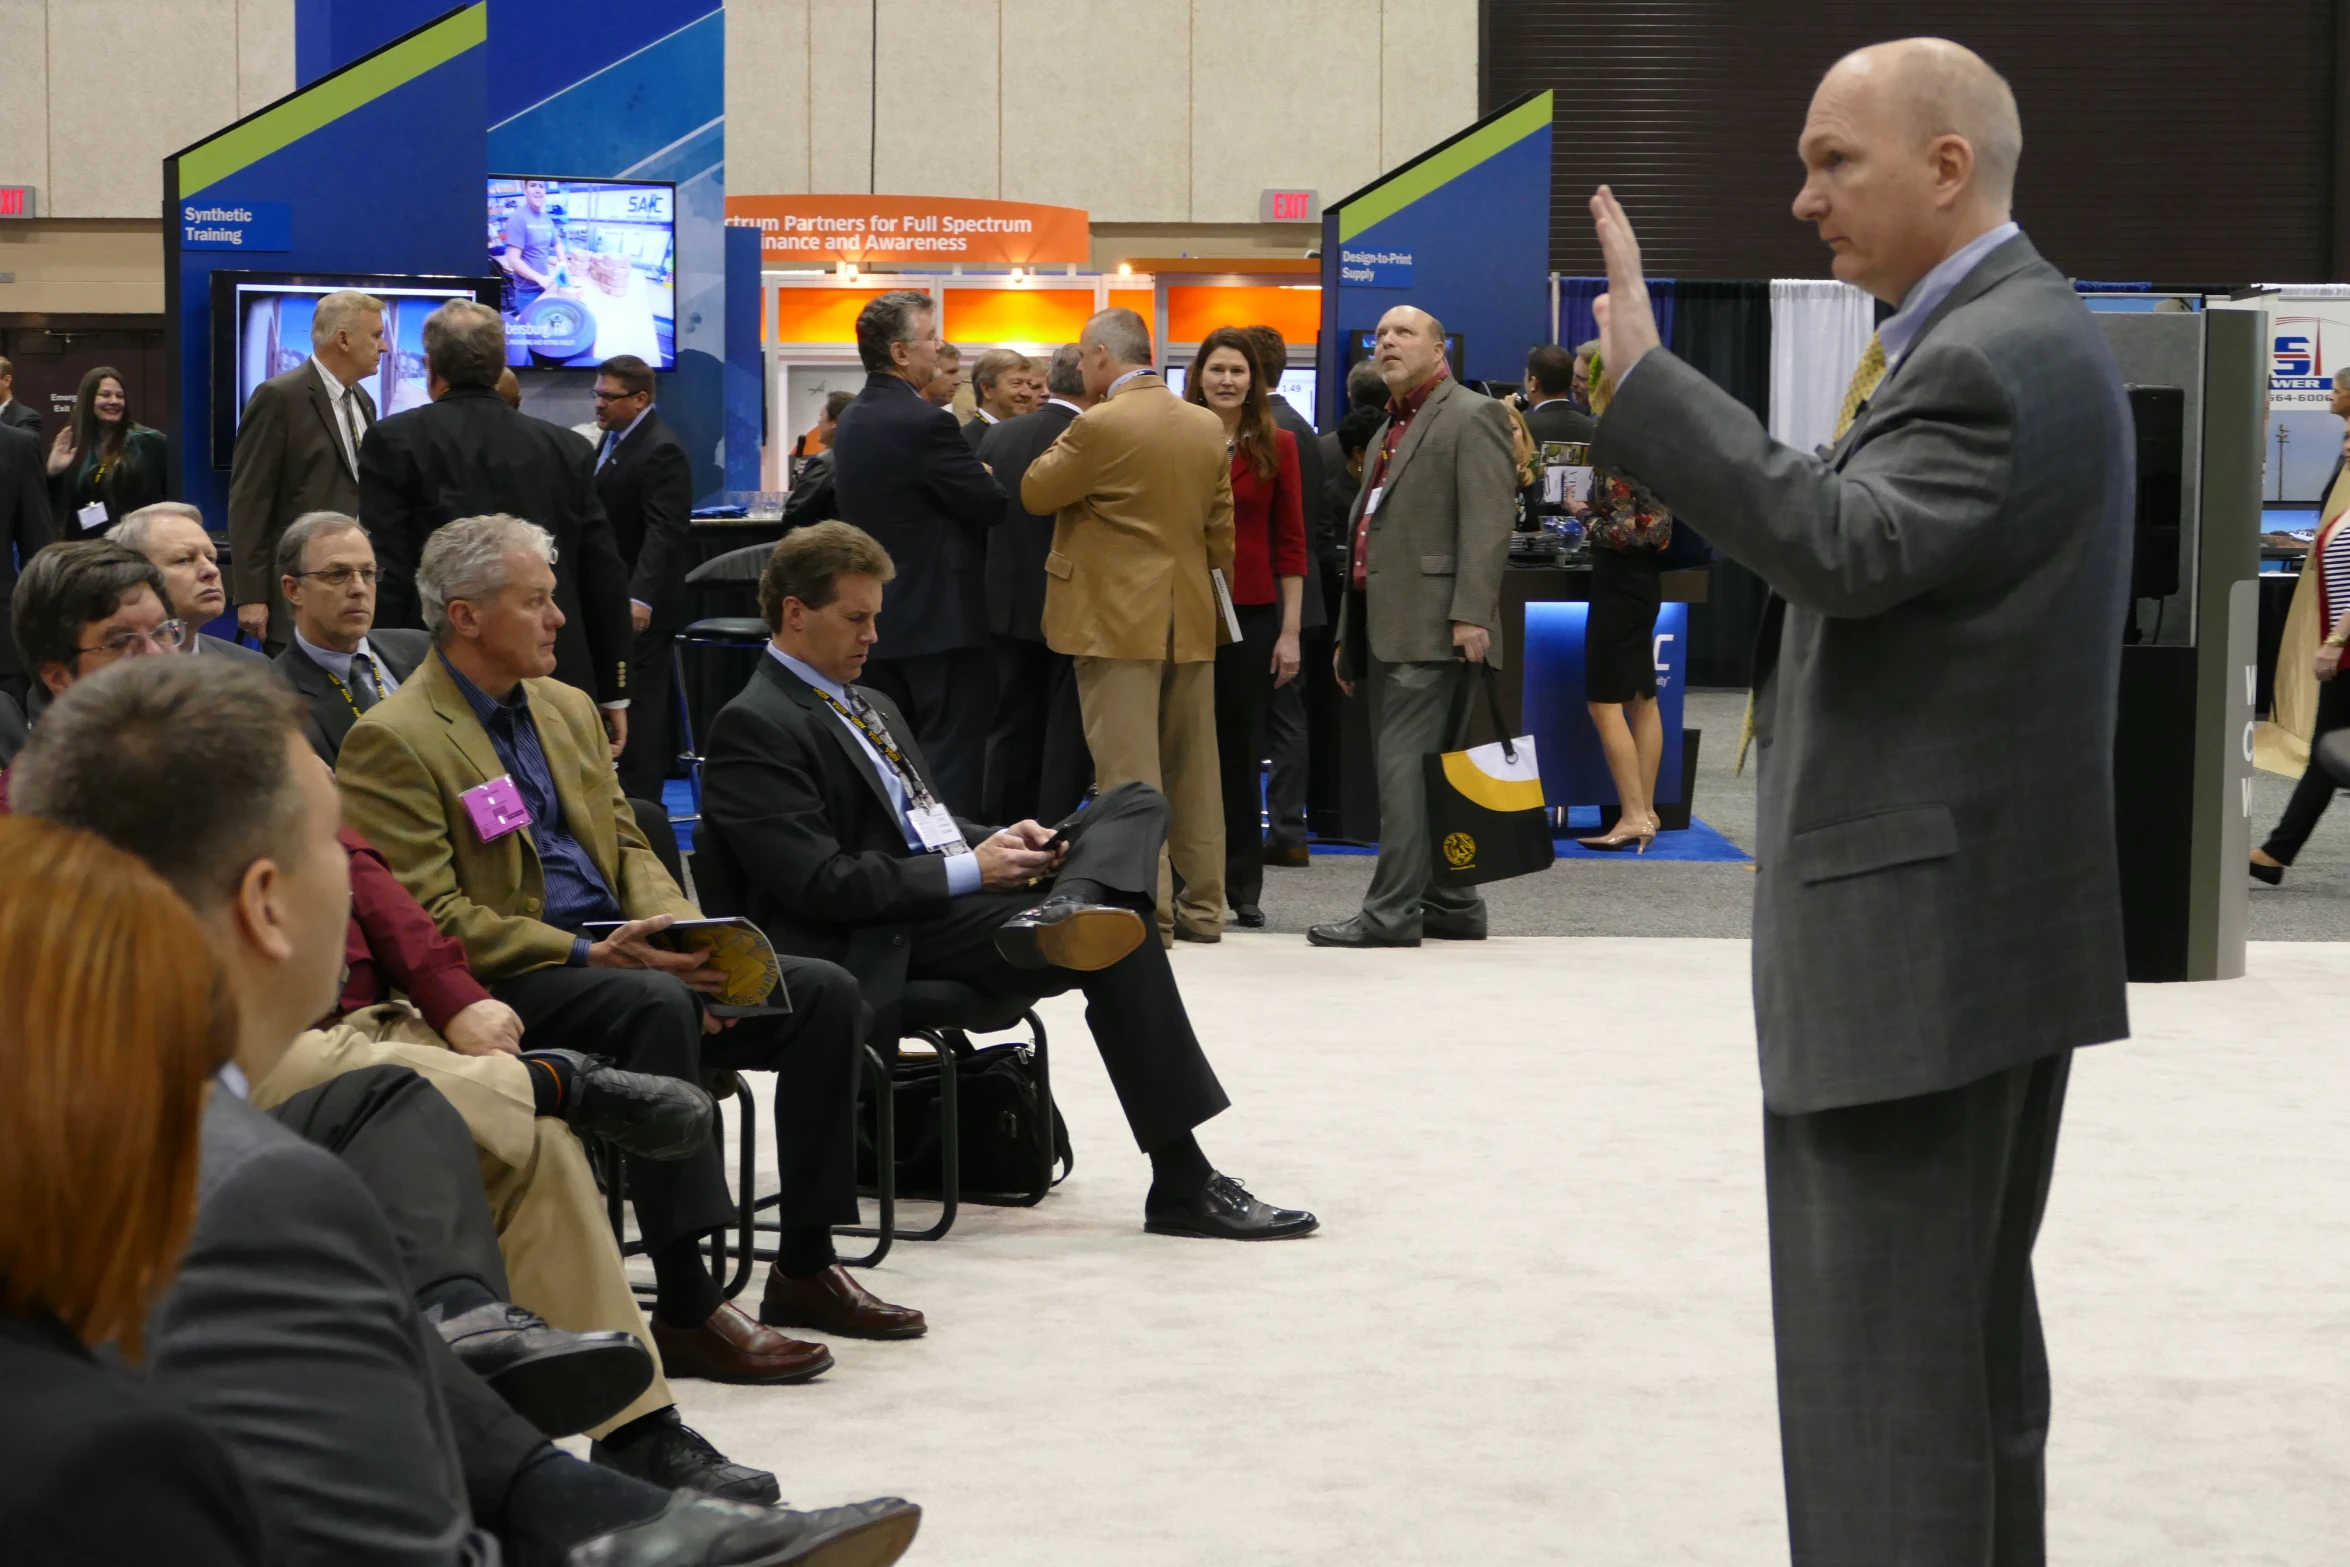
816, 793
300, 1328
173, 536
337, 662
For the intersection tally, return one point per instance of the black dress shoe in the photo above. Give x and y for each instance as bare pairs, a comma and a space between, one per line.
700, 1531
650, 1117
1248, 916
1353, 933
1063, 933
563, 1383
1223, 1210
1445, 928
676, 1457
2274, 875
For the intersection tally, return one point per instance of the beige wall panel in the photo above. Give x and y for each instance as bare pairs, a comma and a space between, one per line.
265, 53
24, 147
1063, 60
1257, 120
767, 97
1429, 89
129, 82
64, 269
938, 73
838, 60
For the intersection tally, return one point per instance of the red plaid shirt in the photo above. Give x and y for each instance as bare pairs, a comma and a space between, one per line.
1400, 413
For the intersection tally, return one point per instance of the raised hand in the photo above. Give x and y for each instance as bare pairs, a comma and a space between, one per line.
1627, 325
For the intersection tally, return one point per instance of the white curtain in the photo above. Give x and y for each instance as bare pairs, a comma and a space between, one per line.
1818, 330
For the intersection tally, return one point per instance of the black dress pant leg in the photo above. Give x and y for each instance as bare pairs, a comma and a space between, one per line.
813, 1053
1287, 742
2315, 791
1244, 688
642, 1020
652, 747
1913, 1380
1015, 740
949, 698
417, 1159
1067, 771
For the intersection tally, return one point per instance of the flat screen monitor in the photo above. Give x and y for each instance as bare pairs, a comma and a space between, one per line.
1296, 384
261, 328
590, 269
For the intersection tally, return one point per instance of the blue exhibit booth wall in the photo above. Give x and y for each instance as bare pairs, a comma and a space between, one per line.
1574, 770
381, 164
1472, 215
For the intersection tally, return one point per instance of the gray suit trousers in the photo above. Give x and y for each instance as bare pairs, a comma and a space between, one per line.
1411, 709
1913, 1381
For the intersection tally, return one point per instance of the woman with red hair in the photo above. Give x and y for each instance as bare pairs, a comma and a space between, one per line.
113, 1019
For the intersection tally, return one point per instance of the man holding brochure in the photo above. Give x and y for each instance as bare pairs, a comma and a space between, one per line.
487, 787
1143, 488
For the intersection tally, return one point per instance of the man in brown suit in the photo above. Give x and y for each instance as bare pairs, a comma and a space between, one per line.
298, 452
1143, 488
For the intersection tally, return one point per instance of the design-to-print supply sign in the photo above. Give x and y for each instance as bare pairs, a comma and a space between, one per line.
237, 225
918, 230
2309, 341
1375, 268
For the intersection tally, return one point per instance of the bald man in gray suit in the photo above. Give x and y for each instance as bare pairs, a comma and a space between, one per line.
1937, 916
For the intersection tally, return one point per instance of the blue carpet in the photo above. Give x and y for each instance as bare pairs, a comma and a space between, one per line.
1698, 842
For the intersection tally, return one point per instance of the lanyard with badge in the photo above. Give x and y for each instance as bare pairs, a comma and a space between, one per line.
933, 822
353, 702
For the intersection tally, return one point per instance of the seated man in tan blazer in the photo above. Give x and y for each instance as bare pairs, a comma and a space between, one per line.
490, 791
1143, 486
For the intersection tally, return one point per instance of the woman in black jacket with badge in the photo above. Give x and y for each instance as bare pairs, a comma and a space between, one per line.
103, 458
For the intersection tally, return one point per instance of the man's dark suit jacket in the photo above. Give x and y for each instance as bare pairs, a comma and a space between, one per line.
290, 1332
467, 455
289, 461
1559, 420
805, 832
1312, 612
905, 473
99, 1470
647, 488
24, 523
233, 652
1017, 546
21, 415
326, 711
1935, 690
976, 427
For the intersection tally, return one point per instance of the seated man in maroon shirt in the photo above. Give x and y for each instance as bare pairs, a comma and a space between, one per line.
82, 606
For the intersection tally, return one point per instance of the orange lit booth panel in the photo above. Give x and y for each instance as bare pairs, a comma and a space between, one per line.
991, 316
1196, 309
818, 315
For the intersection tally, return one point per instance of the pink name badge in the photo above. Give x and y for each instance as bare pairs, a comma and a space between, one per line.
496, 808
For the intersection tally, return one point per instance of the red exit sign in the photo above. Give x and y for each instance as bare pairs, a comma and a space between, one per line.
16, 201
1288, 206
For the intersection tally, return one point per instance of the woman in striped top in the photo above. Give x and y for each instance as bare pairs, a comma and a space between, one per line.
2329, 557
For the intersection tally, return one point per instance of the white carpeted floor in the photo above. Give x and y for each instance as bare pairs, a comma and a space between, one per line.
1536, 1327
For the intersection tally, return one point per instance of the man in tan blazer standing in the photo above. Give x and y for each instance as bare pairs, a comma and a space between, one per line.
1142, 485
1430, 539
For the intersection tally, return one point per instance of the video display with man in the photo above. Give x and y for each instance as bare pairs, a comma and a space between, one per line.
590, 269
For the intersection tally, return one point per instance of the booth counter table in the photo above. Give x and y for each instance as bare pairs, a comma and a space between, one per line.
1541, 681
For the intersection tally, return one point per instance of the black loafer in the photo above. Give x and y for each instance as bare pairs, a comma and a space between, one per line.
563, 1383
701, 1531
638, 1113
2274, 875
1248, 916
1433, 928
1223, 1210
1353, 933
676, 1457
1063, 933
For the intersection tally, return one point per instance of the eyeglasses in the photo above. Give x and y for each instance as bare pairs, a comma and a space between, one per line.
342, 576
617, 397
168, 637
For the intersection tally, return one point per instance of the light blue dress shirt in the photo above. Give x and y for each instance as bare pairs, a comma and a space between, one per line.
339, 664
962, 869
1900, 329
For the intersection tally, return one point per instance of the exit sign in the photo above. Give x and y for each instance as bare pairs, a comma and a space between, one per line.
16, 201
1288, 206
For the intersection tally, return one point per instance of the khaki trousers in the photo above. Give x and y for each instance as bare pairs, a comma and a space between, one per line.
553, 1229
1153, 721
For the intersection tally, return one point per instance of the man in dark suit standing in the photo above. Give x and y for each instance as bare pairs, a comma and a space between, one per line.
339, 662
1551, 414
1937, 920
1304, 711
905, 473
1037, 762
24, 528
647, 487
467, 454
298, 451
13, 414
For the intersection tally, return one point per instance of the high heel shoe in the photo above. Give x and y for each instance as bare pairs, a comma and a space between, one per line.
1637, 841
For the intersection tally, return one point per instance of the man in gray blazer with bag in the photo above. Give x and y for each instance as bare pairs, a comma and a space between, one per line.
1937, 915
1421, 609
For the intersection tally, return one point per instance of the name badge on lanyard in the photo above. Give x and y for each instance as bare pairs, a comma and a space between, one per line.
92, 517
1371, 501
496, 808
935, 825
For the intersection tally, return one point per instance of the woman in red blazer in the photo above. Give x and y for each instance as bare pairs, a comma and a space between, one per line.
1268, 583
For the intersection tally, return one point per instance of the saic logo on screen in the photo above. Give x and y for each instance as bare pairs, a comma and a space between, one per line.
2306, 352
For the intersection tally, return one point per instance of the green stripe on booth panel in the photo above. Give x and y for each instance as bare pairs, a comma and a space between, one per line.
361, 83
1443, 166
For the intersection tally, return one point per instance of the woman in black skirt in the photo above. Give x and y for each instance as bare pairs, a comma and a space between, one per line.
1628, 531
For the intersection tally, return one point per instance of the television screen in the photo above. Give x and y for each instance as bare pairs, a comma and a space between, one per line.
261, 328
1296, 384
590, 269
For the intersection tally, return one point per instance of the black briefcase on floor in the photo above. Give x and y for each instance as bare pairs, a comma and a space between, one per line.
1007, 1153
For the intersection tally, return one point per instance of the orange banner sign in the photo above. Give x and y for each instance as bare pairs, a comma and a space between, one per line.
913, 230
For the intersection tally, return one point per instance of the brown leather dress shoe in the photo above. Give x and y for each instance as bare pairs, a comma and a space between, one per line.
730, 1347
1295, 857
834, 1302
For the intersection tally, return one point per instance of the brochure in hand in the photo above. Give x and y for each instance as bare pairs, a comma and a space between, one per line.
735, 947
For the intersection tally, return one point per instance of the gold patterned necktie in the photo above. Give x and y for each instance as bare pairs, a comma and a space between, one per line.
1865, 377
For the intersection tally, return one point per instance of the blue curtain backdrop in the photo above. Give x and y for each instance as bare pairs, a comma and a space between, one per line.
1578, 325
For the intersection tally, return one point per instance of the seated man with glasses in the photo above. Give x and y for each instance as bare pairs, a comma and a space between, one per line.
114, 606
337, 662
